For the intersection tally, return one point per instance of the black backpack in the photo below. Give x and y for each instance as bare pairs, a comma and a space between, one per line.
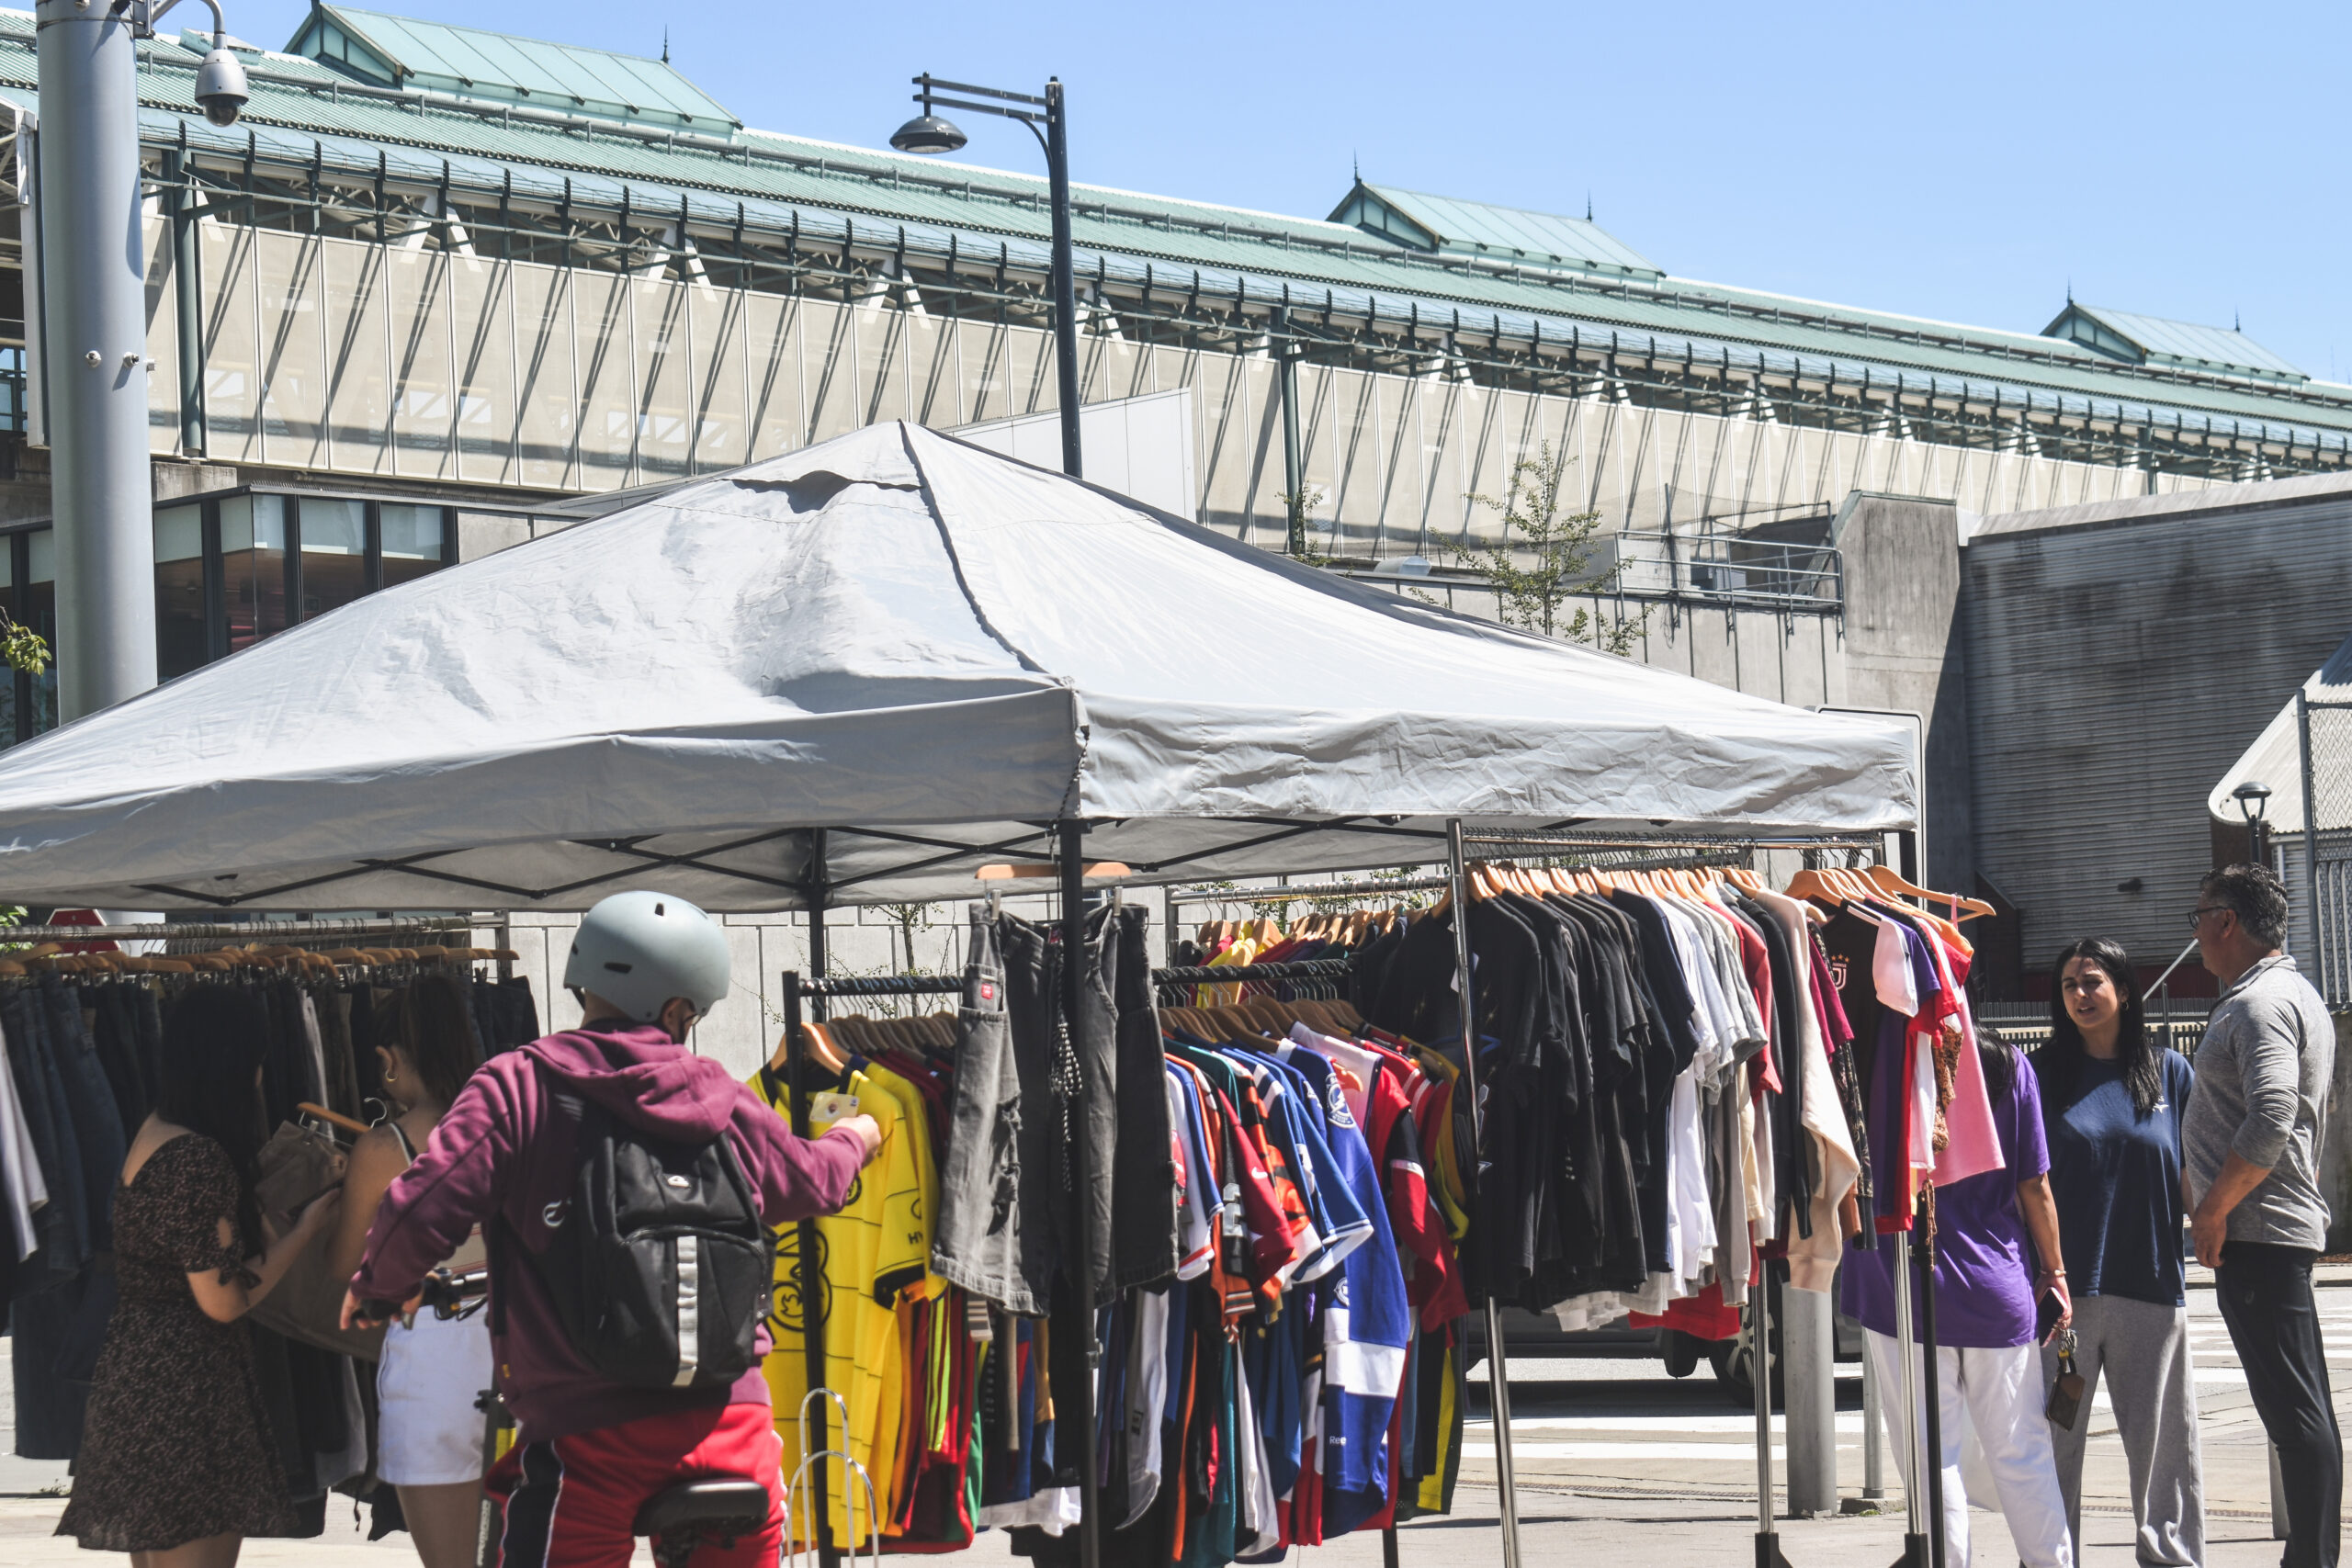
657, 1263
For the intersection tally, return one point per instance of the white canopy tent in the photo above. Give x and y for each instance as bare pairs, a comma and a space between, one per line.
931, 652
2276, 758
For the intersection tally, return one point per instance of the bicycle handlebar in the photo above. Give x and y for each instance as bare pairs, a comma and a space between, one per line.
448, 1295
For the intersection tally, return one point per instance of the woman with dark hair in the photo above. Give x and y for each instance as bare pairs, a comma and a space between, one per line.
429, 1435
2112, 1102
176, 1467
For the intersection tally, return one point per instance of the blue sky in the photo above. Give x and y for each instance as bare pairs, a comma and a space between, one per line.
1959, 163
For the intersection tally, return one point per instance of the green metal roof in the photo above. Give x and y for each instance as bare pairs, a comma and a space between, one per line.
471, 63
301, 108
1481, 229
2153, 340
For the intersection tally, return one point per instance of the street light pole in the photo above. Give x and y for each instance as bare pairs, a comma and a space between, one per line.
929, 134
1065, 280
95, 335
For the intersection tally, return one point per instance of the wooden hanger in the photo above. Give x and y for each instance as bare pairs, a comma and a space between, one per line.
334, 1117
1889, 880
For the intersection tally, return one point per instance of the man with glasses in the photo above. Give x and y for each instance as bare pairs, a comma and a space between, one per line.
2251, 1147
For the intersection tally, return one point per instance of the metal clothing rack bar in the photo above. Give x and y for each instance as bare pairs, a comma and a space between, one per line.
1235, 974
1171, 897
1287, 891
227, 930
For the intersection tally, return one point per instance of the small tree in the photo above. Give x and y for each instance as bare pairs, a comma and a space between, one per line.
1534, 598
21, 647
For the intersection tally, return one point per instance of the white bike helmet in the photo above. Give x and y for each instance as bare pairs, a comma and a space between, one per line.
639, 949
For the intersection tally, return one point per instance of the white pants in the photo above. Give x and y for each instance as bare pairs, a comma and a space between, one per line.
1995, 1398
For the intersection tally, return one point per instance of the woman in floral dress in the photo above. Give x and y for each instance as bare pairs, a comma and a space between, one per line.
176, 1466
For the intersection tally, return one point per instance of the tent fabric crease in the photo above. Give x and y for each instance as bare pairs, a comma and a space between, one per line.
929, 649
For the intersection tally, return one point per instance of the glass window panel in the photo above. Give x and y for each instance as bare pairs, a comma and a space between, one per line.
252, 567
412, 540
44, 561
410, 533
179, 591
8, 572
180, 534
334, 554
333, 527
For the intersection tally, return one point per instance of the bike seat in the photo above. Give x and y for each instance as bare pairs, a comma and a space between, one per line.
715, 1504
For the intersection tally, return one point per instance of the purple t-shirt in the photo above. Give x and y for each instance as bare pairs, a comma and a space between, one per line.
1985, 1262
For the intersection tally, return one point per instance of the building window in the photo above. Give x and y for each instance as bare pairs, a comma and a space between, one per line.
253, 570
335, 536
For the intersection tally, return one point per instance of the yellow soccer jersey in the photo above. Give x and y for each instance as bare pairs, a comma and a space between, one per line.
857, 1247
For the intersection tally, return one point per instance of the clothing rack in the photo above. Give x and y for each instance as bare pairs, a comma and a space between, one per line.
810, 1280
1689, 852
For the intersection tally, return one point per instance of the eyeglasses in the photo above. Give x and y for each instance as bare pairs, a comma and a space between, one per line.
2203, 911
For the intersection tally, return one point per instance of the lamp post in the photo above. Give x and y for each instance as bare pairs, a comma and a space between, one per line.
2253, 798
93, 334
928, 133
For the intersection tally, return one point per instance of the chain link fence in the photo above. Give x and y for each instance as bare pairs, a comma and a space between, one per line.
2317, 862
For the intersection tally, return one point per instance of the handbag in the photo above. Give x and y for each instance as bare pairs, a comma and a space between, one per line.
2066, 1405
298, 1163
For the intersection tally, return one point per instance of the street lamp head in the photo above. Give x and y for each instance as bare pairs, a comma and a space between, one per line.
2252, 796
220, 88
929, 134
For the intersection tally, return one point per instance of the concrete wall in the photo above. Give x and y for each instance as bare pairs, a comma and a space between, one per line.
2118, 668
1903, 653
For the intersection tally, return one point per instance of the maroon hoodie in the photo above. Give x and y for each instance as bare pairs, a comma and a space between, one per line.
504, 1150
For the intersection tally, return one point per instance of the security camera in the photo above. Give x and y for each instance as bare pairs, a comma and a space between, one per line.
220, 88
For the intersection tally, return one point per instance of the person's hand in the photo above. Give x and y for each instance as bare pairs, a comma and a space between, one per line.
868, 1131
320, 1212
353, 1317
2054, 1283
2206, 1231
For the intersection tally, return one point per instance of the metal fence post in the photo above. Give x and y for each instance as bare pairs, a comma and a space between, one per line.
2318, 955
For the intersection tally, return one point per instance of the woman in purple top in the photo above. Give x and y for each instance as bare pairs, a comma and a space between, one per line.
1992, 1230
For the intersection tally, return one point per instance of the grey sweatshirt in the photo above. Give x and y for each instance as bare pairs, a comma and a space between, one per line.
2263, 1072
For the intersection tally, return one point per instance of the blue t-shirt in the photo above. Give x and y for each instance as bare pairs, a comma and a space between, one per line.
2116, 1175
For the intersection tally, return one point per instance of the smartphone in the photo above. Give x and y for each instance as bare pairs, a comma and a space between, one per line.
2045, 1317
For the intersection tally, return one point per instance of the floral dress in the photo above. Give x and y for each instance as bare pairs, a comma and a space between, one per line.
174, 1446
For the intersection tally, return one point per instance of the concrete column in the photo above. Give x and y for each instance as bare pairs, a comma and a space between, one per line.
1808, 1343
95, 339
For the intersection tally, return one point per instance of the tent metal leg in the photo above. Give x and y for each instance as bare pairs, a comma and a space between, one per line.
1760, 1372
817, 893
1498, 1378
1932, 1404
807, 1279
1915, 1535
1073, 977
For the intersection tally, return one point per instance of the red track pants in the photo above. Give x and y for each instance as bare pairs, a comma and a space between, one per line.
569, 1502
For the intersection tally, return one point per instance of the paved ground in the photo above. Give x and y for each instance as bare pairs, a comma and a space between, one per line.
1614, 1459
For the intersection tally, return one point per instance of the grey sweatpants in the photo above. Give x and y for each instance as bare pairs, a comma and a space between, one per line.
2142, 1350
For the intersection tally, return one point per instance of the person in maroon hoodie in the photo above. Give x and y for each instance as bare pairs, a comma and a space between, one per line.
589, 1452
